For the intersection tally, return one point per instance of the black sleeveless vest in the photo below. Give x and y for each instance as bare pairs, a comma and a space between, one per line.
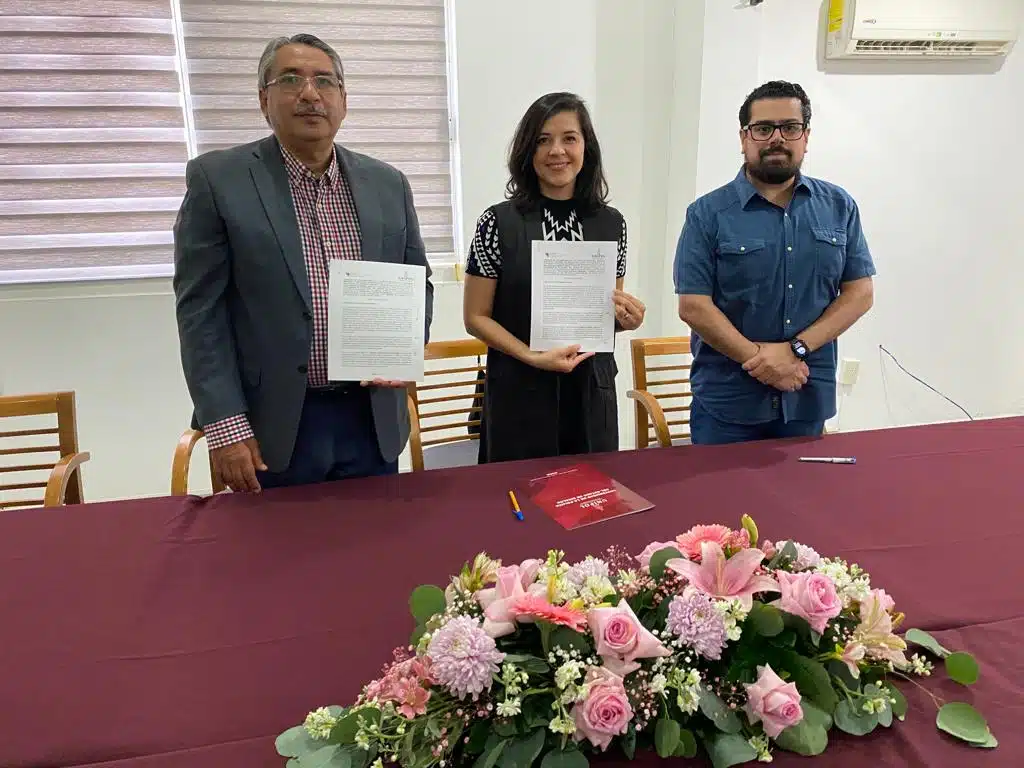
522, 404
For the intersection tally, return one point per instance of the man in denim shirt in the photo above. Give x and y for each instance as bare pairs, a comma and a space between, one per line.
770, 269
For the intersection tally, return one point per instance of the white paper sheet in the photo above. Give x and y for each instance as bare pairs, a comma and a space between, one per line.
375, 322
571, 301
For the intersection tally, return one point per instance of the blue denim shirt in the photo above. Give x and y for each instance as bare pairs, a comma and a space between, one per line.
772, 272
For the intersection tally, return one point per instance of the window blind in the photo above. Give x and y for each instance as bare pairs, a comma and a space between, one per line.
93, 129
92, 140
393, 52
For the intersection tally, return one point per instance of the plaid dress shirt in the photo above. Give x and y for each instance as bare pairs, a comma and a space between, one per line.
329, 229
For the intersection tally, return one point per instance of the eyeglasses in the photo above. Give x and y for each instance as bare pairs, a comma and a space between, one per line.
291, 83
788, 131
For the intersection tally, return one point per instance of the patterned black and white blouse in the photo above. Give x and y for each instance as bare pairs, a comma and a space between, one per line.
560, 222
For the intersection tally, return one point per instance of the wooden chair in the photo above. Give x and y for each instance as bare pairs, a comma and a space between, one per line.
445, 425
183, 459
666, 393
63, 484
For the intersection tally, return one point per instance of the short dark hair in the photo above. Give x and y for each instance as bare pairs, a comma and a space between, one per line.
303, 38
523, 186
776, 89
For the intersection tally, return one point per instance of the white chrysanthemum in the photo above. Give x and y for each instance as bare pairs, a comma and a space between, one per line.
584, 569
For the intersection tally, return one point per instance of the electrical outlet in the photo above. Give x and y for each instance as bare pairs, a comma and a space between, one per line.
849, 370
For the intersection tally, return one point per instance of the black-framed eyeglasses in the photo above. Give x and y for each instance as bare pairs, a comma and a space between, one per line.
764, 131
293, 83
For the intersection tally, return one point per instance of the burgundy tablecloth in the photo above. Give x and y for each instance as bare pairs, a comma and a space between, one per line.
189, 632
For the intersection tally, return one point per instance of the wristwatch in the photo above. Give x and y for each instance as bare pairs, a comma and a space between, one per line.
799, 349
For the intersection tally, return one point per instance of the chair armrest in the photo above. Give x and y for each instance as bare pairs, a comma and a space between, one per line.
182, 460
655, 413
60, 476
415, 438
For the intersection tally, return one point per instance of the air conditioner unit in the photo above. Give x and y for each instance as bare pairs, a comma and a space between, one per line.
896, 29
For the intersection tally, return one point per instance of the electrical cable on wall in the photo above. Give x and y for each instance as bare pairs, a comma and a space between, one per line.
918, 380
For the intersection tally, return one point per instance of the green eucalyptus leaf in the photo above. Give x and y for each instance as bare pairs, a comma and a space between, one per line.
666, 737
728, 749
417, 634
853, 720
805, 738
488, 758
533, 665
922, 638
524, 750
989, 743
815, 715
766, 620
960, 719
962, 668
328, 757
344, 732
567, 639
569, 758
425, 602
296, 742
716, 710
812, 680
687, 745
885, 717
785, 556
899, 706
628, 742
659, 558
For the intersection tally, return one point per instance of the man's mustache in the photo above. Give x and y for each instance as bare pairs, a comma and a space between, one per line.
775, 151
303, 111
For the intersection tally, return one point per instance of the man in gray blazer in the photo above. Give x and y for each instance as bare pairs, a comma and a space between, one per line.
255, 234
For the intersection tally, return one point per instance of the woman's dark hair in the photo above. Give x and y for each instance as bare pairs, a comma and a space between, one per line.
523, 186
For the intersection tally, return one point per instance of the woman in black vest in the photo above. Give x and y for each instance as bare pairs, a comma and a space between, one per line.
562, 401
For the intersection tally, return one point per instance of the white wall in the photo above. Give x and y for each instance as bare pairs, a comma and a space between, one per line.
932, 160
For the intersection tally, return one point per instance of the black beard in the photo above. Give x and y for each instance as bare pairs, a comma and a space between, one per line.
773, 173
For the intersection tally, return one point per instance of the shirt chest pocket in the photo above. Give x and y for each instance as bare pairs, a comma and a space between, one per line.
742, 265
829, 252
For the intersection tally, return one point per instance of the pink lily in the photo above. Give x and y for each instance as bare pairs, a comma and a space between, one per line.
723, 578
499, 619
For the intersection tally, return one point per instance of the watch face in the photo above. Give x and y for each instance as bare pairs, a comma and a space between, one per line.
799, 348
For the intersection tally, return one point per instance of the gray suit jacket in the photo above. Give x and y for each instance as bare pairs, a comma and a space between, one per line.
242, 294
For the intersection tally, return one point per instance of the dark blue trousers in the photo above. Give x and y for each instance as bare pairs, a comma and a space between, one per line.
336, 440
705, 429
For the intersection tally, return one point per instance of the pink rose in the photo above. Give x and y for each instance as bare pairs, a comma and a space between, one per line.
621, 639
775, 703
811, 596
605, 713
644, 558
768, 548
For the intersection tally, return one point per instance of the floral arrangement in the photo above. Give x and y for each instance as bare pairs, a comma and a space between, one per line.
712, 641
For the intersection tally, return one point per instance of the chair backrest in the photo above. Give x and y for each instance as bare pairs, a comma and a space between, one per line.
36, 433
447, 407
666, 378
182, 461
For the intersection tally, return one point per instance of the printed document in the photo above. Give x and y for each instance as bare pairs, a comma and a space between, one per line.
375, 321
571, 301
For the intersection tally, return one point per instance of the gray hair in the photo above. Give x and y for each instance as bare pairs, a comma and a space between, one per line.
303, 38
